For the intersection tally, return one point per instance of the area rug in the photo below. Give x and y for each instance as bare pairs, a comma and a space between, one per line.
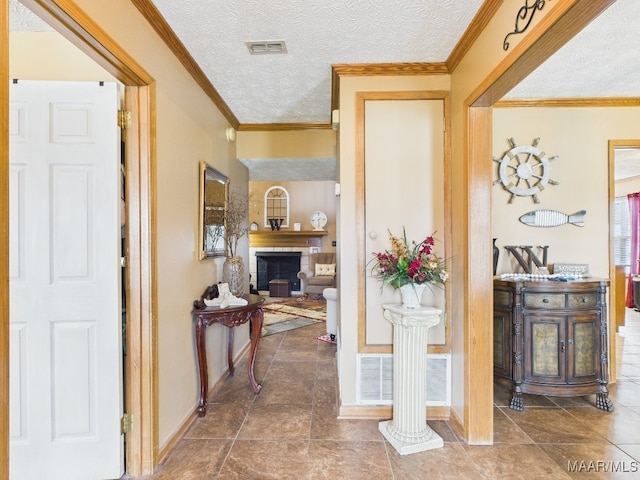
281, 316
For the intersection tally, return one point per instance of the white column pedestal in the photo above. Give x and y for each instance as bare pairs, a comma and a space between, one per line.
408, 431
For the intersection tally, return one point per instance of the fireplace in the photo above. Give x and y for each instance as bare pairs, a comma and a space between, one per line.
284, 265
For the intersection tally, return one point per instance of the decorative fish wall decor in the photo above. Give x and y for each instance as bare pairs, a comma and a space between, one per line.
552, 218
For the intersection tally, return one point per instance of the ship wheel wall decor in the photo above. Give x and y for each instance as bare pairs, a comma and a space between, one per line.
524, 170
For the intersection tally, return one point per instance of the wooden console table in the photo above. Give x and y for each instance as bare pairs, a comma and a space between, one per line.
230, 317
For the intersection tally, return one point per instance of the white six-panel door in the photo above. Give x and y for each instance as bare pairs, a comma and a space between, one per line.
65, 313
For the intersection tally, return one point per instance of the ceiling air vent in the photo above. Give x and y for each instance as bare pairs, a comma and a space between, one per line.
267, 47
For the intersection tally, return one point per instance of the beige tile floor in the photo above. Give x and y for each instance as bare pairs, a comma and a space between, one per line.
290, 430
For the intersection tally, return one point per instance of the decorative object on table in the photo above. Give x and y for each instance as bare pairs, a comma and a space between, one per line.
318, 221
296, 227
524, 170
254, 226
409, 267
275, 223
233, 271
532, 258
224, 298
570, 268
552, 218
496, 256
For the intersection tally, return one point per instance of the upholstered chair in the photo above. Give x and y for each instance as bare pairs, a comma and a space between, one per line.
321, 273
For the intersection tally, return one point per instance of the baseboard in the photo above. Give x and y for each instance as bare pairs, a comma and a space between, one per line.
385, 412
457, 425
170, 445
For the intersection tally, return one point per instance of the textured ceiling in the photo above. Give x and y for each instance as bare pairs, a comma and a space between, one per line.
601, 61
296, 87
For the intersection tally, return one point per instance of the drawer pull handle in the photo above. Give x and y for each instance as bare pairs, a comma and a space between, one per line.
584, 299
545, 300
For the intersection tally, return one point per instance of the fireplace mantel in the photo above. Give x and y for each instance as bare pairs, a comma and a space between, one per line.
286, 238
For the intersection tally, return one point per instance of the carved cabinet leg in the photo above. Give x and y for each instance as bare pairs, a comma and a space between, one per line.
516, 402
603, 402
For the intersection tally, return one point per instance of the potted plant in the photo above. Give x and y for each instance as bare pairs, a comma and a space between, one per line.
409, 267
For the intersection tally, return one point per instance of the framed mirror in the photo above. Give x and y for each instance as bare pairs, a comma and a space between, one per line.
213, 204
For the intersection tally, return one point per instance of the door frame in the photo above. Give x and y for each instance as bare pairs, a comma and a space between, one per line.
613, 290
564, 20
141, 445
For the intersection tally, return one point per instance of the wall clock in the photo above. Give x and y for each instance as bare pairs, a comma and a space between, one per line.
318, 220
524, 170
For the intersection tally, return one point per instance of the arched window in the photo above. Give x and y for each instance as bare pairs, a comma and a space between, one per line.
276, 208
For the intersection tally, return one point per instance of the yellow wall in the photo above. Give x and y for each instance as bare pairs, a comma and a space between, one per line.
189, 129
579, 136
31, 54
287, 144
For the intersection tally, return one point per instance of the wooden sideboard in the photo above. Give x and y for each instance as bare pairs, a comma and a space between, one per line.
550, 338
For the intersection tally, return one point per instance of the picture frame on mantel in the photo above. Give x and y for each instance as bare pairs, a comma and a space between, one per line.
214, 193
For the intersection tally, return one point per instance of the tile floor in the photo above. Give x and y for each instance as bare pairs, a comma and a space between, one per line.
290, 430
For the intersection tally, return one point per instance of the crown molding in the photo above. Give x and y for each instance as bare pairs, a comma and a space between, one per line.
168, 36
571, 102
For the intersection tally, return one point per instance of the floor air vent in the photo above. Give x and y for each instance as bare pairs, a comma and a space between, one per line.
375, 379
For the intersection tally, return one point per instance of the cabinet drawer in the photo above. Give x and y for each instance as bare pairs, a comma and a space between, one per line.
582, 300
500, 297
544, 300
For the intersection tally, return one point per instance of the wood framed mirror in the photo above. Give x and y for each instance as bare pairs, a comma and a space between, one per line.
213, 205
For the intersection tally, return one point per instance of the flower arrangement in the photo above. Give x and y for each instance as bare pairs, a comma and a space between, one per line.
409, 263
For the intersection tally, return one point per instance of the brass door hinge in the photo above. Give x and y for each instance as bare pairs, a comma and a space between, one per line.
124, 119
126, 423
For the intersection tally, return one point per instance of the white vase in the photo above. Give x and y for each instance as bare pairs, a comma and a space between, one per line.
233, 274
411, 294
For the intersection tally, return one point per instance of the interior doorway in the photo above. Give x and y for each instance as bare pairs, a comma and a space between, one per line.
624, 173
141, 399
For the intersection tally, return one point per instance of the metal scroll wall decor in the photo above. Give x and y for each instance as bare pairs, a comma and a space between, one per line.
524, 18
524, 170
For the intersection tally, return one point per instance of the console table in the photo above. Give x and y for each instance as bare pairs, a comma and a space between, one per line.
550, 338
230, 317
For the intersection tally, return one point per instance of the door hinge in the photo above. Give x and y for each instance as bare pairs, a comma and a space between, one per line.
126, 423
124, 119
123, 262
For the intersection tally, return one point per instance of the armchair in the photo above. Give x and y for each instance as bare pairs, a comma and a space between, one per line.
321, 273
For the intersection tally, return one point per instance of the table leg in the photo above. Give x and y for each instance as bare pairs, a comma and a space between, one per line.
256, 329
202, 367
230, 351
